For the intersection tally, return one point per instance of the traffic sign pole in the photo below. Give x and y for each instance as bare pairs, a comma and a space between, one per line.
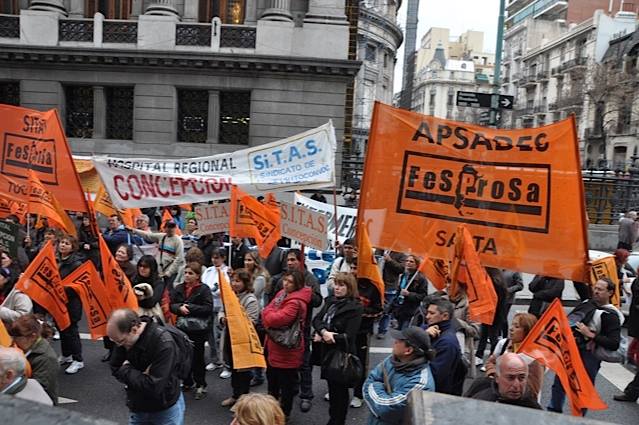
494, 109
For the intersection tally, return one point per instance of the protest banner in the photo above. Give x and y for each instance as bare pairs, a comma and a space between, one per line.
366, 263
519, 192
436, 271
304, 225
252, 219
552, 343
346, 217
606, 267
468, 271
9, 238
117, 285
10, 206
34, 140
303, 161
86, 282
246, 349
212, 218
41, 282
41, 201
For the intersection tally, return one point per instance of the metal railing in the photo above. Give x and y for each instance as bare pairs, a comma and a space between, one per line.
238, 36
75, 30
9, 26
120, 32
193, 35
609, 193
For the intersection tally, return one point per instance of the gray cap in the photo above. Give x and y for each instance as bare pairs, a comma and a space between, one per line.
415, 336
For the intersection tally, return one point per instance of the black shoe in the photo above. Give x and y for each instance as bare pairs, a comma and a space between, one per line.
107, 356
624, 397
305, 405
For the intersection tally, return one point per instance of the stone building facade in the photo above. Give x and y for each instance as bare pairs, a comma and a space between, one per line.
177, 78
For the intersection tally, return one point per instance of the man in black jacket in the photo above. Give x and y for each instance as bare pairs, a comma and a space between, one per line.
545, 289
145, 361
595, 323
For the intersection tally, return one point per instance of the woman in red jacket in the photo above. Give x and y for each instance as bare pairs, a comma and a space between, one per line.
290, 304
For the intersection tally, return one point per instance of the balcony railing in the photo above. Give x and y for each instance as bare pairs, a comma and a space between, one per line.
542, 75
120, 32
575, 62
9, 26
75, 30
528, 80
193, 35
238, 36
571, 101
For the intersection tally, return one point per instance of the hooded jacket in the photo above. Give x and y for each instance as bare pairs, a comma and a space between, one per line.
293, 307
44, 367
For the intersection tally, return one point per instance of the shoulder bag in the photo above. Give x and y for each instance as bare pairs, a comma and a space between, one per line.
287, 336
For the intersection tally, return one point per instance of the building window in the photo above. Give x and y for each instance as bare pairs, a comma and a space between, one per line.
193, 115
385, 60
432, 100
79, 111
371, 53
235, 116
111, 9
9, 7
450, 99
229, 11
10, 93
119, 113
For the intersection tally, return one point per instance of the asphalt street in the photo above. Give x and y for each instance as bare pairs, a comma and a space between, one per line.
93, 391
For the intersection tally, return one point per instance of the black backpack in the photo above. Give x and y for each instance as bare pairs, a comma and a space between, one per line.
184, 358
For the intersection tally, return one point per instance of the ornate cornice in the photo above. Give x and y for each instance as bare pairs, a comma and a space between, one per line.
384, 23
74, 56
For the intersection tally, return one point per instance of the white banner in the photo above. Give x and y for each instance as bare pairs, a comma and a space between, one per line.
299, 223
346, 217
299, 162
304, 225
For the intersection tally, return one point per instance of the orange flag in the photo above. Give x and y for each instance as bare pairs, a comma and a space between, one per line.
245, 343
41, 282
117, 285
252, 219
436, 271
366, 264
41, 201
467, 270
103, 204
5, 339
166, 217
92, 215
129, 215
187, 207
606, 267
551, 342
86, 281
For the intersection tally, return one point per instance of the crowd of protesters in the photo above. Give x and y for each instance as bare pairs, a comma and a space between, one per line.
175, 273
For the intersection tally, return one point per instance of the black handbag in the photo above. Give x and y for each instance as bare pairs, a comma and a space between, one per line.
342, 367
287, 336
190, 324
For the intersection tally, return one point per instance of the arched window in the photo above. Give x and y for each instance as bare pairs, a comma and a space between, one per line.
229, 11
111, 9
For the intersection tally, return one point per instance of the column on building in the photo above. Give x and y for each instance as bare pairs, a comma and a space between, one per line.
49, 6
278, 10
326, 12
99, 112
213, 124
161, 7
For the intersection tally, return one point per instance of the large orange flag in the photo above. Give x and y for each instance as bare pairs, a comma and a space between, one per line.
467, 270
117, 285
129, 215
366, 264
86, 281
551, 342
41, 201
252, 219
103, 204
41, 282
166, 217
5, 339
245, 343
436, 271
606, 267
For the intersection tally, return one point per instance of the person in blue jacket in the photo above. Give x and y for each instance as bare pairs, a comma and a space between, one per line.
387, 387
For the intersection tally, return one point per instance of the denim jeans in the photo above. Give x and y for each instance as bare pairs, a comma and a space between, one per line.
306, 373
174, 415
385, 320
558, 396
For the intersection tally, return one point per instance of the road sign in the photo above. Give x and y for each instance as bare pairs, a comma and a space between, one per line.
483, 100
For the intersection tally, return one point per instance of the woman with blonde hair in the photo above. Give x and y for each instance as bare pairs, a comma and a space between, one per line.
257, 409
253, 264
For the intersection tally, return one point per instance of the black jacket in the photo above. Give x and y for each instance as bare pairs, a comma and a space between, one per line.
545, 290
66, 267
418, 289
345, 322
199, 303
155, 350
371, 302
633, 320
158, 289
487, 391
237, 255
86, 237
392, 269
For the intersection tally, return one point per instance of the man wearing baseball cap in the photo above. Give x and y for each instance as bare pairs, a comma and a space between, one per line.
407, 369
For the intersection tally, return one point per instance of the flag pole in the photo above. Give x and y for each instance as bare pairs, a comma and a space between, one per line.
335, 218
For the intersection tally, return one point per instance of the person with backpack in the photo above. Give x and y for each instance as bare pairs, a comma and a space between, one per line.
596, 325
342, 264
448, 367
192, 302
148, 361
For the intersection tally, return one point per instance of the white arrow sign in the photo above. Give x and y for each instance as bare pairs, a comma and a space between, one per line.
505, 102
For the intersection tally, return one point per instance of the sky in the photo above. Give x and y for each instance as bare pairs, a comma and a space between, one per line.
458, 15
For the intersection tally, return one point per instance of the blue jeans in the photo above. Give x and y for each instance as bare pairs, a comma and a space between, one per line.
558, 396
385, 320
174, 415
